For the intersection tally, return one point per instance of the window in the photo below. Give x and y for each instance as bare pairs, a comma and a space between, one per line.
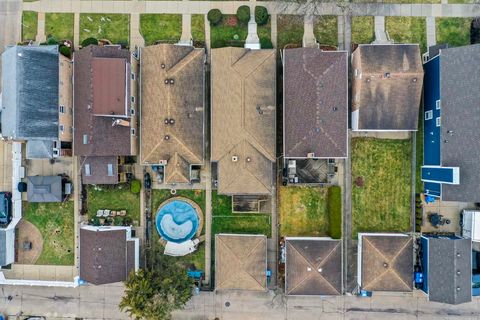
85, 139
133, 76
429, 115
133, 99
133, 131
87, 170
437, 105
110, 170
62, 128
62, 109
438, 121
132, 111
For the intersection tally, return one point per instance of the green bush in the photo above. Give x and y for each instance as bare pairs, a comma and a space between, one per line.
51, 41
261, 15
335, 212
89, 41
218, 43
135, 186
214, 16
266, 43
66, 51
123, 44
243, 14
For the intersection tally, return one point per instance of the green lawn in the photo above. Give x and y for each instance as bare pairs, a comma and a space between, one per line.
198, 27
55, 222
114, 27
229, 32
225, 221
381, 185
303, 211
59, 25
116, 198
289, 31
326, 30
454, 31
363, 30
161, 27
407, 30
29, 25
265, 34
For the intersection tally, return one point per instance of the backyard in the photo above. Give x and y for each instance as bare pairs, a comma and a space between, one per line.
407, 30
29, 25
454, 31
59, 26
225, 221
115, 198
363, 30
381, 185
290, 31
55, 222
326, 30
114, 27
158, 197
161, 27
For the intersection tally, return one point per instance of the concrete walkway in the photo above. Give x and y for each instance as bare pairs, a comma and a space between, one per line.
40, 37
381, 36
273, 29
136, 39
431, 32
309, 40
76, 30
186, 37
230, 7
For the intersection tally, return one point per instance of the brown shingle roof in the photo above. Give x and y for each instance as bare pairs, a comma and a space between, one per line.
109, 76
243, 119
387, 86
98, 167
105, 256
240, 262
182, 101
313, 266
102, 138
315, 103
387, 262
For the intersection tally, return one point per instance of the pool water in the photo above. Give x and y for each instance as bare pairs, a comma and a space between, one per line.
177, 221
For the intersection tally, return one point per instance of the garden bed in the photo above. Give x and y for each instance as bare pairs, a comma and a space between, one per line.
55, 221
381, 185
229, 32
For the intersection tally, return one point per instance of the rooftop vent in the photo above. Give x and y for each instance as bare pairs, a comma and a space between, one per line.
166, 121
309, 269
167, 137
311, 155
414, 80
335, 109
385, 265
172, 121
368, 80
248, 159
387, 75
320, 270
171, 81
166, 81
162, 65
234, 158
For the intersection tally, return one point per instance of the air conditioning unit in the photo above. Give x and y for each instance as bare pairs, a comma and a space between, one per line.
56, 153
310, 155
162, 162
234, 158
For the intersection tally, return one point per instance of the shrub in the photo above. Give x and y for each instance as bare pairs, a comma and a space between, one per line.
218, 43
214, 16
123, 44
335, 212
475, 31
261, 15
66, 51
89, 41
266, 43
51, 41
243, 14
135, 186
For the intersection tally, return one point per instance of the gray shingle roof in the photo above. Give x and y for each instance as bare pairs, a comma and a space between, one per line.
44, 189
30, 92
3, 247
460, 96
447, 257
315, 103
39, 149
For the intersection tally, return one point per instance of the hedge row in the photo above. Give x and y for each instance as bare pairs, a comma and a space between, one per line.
334, 203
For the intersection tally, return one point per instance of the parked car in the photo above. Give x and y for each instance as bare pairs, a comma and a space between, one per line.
5, 207
147, 181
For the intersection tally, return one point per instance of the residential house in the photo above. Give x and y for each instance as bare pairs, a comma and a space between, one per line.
447, 269
451, 136
385, 262
37, 100
313, 266
105, 112
243, 120
107, 254
240, 262
386, 87
172, 110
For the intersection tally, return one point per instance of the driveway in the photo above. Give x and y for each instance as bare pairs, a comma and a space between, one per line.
10, 24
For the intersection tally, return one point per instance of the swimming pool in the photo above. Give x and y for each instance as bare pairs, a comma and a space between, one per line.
177, 220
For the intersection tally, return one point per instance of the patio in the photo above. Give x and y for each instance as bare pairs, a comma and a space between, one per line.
29, 243
448, 210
